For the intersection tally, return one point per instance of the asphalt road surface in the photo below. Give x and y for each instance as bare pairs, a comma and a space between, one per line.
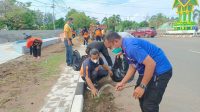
183, 91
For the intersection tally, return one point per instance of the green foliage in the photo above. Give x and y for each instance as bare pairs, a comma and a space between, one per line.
17, 15
72, 11
116, 24
2, 25
158, 20
80, 19
28, 20
126, 25
112, 22
51, 65
60, 23
144, 24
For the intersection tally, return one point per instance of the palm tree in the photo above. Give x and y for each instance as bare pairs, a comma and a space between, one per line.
196, 16
113, 21
105, 21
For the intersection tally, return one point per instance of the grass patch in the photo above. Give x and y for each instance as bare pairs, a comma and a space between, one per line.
51, 65
4, 101
18, 109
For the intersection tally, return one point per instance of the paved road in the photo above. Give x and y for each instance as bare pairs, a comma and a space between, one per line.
183, 92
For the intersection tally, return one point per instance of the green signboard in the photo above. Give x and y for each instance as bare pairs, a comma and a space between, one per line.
185, 9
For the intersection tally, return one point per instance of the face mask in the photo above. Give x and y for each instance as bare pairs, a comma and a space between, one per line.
117, 50
95, 61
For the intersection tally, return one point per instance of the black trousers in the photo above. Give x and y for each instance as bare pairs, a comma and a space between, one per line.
36, 48
85, 42
153, 94
98, 38
31, 50
97, 75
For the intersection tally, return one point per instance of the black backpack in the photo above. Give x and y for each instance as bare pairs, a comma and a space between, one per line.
83, 58
76, 60
119, 69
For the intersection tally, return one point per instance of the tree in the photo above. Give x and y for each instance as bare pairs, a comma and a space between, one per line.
48, 21
72, 11
113, 21
157, 20
80, 19
135, 25
144, 24
125, 25
94, 20
39, 20
28, 20
16, 15
60, 23
105, 21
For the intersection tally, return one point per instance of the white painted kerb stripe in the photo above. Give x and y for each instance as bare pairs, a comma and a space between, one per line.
195, 51
77, 105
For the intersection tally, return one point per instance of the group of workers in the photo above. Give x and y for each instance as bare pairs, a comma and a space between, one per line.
147, 59
98, 34
153, 66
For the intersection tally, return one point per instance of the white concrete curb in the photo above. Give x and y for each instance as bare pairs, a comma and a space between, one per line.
62, 94
77, 104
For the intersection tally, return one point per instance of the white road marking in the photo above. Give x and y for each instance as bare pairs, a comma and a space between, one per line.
195, 51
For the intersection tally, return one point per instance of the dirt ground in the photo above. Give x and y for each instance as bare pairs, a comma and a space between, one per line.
106, 102
103, 103
111, 100
25, 81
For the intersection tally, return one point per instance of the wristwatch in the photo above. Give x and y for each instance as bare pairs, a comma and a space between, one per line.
143, 86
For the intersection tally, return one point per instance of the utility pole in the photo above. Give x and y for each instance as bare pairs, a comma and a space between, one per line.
53, 6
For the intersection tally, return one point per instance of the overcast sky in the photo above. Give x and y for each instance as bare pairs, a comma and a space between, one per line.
137, 10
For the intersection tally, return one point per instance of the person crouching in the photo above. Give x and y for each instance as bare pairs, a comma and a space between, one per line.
34, 44
93, 69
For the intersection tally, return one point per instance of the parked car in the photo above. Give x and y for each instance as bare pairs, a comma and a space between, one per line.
144, 32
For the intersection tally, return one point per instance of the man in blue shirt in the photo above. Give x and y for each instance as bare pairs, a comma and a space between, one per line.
152, 65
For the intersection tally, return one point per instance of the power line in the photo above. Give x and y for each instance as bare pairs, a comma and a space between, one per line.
64, 2
65, 9
40, 5
101, 12
42, 2
123, 5
122, 16
47, 5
